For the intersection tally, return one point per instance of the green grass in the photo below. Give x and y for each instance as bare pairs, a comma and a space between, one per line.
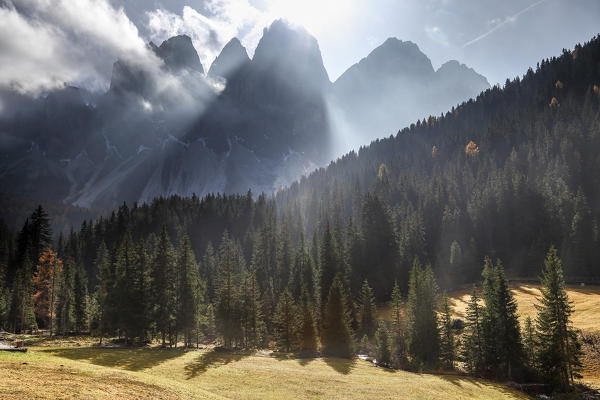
92, 372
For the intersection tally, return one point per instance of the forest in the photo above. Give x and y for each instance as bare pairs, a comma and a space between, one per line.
504, 186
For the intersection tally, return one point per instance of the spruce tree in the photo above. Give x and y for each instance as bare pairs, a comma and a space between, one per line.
80, 300
338, 338
472, 350
163, 286
65, 298
286, 322
559, 350
104, 290
253, 324
187, 291
529, 335
227, 313
423, 334
399, 349
382, 337
308, 331
447, 344
366, 311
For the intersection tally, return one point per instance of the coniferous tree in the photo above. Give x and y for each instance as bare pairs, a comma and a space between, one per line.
308, 330
105, 289
286, 322
366, 311
423, 334
253, 325
382, 337
65, 298
80, 300
227, 313
188, 291
529, 347
46, 282
447, 344
472, 351
20, 311
399, 349
337, 335
559, 350
162, 286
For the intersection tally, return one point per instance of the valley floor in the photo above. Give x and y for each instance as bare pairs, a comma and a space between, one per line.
77, 368
104, 373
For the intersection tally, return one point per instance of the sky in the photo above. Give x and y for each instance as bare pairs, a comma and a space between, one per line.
44, 43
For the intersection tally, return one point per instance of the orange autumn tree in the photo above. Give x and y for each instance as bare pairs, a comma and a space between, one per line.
472, 149
44, 280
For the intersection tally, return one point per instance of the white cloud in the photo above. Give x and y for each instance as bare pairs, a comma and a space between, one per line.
224, 20
436, 34
46, 43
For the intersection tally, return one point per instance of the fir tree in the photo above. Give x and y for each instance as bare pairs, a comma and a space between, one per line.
162, 286
65, 298
559, 350
187, 291
399, 349
529, 335
308, 331
80, 300
338, 338
447, 344
286, 322
472, 351
382, 337
227, 307
423, 334
366, 311
253, 325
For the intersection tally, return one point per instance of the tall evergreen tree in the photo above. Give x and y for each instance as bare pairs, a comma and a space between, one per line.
337, 335
80, 300
366, 311
447, 343
65, 298
228, 298
422, 323
399, 349
286, 321
188, 291
472, 351
253, 325
163, 287
529, 335
308, 331
384, 353
559, 350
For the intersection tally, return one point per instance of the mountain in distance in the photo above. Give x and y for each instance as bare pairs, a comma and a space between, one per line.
168, 131
397, 84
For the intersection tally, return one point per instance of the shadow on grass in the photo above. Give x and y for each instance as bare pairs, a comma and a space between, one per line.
129, 359
204, 361
461, 380
341, 365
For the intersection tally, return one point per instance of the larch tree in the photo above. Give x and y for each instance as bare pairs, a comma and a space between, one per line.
45, 283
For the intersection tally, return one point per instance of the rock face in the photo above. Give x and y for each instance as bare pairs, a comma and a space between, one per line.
165, 130
233, 57
397, 84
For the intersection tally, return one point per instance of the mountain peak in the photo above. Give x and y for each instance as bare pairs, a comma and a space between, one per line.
179, 53
232, 57
291, 51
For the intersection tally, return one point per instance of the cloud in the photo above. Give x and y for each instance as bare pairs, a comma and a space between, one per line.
47, 43
436, 34
498, 23
222, 20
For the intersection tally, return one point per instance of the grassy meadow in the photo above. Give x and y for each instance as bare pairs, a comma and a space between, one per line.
77, 368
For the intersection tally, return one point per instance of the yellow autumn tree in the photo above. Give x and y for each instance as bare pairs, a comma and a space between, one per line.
472, 149
44, 280
553, 103
434, 152
382, 174
559, 85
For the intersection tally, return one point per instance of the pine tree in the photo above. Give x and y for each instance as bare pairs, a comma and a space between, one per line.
423, 334
559, 350
328, 264
529, 335
338, 338
447, 344
104, 290
227, 307
399, 349
80, 300
20, 312
253, 325
187, 291
366, 311
503, 349
286, 322
382, 337
162, 286
141, 293
65, 298
472, 351
308, 331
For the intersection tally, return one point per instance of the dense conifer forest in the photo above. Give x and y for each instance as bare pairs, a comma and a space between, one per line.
501, 186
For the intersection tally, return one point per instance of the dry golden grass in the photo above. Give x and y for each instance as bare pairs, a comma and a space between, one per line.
586, 302
71, 372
